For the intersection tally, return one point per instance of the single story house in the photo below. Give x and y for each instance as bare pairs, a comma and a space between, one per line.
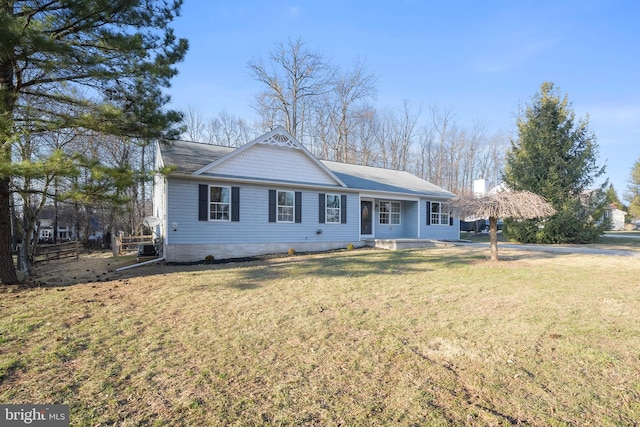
272, 195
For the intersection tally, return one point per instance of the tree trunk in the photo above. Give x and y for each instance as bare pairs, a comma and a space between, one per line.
8, 274
493, 237
7, 102
55, 211
28, 236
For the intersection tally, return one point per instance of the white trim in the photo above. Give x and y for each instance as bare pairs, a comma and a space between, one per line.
419, 218
220, 203
279, 139
326, 208
391, 202
393, 196
293, 206
439, 214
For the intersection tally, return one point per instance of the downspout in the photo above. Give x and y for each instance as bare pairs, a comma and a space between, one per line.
140, 264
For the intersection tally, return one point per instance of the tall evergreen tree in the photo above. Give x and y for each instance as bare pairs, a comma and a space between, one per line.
93, 64
633, 191
555, 156
612, 198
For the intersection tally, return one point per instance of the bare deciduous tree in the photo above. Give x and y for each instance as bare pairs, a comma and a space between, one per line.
350, 90
194, 124
294, 76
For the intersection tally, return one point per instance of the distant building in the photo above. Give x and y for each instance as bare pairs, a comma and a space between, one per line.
67, 225
615, 216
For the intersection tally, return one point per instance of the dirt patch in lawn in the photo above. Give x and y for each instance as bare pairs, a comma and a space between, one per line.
102, 266
91, 267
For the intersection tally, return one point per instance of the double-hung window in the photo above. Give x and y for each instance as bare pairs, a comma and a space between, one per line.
390, 213
219, 203
332, 209
439, 213
286, 206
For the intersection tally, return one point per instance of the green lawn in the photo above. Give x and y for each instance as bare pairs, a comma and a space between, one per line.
365, 337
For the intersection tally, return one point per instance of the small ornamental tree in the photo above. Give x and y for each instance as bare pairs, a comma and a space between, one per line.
515, 205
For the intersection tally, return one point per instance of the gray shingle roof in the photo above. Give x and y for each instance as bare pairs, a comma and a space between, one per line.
189, 157
384, 180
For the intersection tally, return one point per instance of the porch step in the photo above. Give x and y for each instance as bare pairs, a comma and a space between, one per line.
394, 244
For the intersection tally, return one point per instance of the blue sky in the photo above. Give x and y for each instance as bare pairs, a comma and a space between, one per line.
480, 59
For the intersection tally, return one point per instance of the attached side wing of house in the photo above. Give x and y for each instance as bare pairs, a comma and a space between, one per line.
272, 195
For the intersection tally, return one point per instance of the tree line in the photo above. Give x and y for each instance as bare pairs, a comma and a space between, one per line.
330, 110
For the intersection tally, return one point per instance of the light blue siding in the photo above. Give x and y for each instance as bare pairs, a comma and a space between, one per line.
254, 225
410, 212
437, 232
300, 167
408, 227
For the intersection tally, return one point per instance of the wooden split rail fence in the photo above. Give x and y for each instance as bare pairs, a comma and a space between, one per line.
56, 251
124, 244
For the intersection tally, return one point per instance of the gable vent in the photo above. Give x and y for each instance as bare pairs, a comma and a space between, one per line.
280, 140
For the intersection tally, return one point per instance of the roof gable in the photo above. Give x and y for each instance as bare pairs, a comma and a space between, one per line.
275, 156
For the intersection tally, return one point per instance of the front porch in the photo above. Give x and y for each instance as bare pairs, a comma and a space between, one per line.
397, 223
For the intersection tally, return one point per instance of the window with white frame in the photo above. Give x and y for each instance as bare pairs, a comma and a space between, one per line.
439, 213
390, 213
332, 207
219, 203
285, 206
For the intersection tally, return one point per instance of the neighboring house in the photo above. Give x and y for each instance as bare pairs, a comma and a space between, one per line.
615, 216
272, 194
66, 224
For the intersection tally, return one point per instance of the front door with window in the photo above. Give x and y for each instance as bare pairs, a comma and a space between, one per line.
366, 217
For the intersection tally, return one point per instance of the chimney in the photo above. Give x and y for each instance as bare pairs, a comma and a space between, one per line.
480, 187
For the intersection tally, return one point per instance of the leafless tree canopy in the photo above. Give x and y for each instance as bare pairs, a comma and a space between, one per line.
294, 76
505, 204
330, 110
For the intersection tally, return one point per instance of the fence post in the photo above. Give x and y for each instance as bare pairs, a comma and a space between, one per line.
115, 244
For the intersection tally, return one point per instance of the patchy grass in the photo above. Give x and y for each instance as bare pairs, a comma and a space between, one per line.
623, 243
614, 240
365, 337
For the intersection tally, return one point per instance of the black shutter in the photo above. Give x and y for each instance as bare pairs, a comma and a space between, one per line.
343, 209
321, 211
272, 205
298, 207
428, 213
450, 220
235, 204
203, 202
